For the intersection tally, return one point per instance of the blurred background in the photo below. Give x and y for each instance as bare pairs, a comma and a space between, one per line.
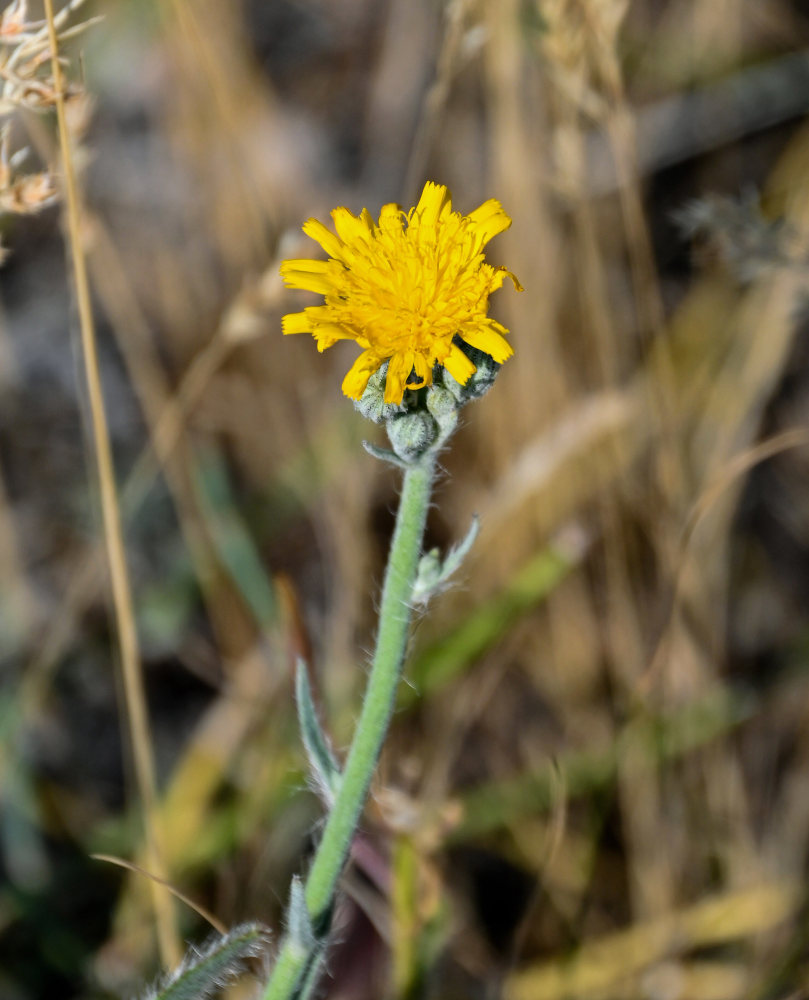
597, 784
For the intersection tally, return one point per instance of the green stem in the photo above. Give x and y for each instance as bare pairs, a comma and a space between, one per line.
372, 727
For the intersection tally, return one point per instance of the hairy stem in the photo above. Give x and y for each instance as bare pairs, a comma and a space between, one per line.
380, 696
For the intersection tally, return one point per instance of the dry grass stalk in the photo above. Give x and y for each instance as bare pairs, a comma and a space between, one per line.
124, 613
612, 966
582, 381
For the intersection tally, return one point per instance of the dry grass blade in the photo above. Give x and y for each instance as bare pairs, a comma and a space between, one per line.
636, 608
615, 961
122, 597
196, 907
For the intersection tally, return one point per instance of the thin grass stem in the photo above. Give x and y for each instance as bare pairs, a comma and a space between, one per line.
135, 699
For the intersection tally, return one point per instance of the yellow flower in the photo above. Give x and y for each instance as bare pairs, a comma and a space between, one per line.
404, 288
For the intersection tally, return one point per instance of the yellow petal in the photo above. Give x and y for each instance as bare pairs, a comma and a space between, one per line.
351, 228
399, 369
357, 378
327, 334
390, 218
490, 342
458, 365
488, 220
304, 264
433, 198
498, 276
307, 275
424, 371
491, 323
295, 323
315, 229
402, 288
319, 314
304, 282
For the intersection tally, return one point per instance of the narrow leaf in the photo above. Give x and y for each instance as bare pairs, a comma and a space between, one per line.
459, 552
299, 922
434, 572
202, 973
427, 577
384, 455
322, 762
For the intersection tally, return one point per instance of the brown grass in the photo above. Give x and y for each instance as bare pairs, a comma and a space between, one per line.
598, 789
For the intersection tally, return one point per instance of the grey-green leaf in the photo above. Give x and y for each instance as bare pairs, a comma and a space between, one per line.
384, 455
203, 973
299, 922
459, 552
323, 765
434, 572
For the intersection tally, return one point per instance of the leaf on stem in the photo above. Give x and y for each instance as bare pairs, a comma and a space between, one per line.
323, 765
384, 455
299, 922
204, 972
434, 572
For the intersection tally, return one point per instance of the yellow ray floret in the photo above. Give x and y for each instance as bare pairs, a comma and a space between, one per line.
403, 288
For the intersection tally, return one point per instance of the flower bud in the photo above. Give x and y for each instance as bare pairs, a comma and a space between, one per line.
412, 434
444, 408
480, 381
372, 402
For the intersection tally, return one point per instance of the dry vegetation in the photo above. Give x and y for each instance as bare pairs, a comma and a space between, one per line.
598, 783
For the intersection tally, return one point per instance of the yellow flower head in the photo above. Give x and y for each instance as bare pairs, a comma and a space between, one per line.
403, 288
